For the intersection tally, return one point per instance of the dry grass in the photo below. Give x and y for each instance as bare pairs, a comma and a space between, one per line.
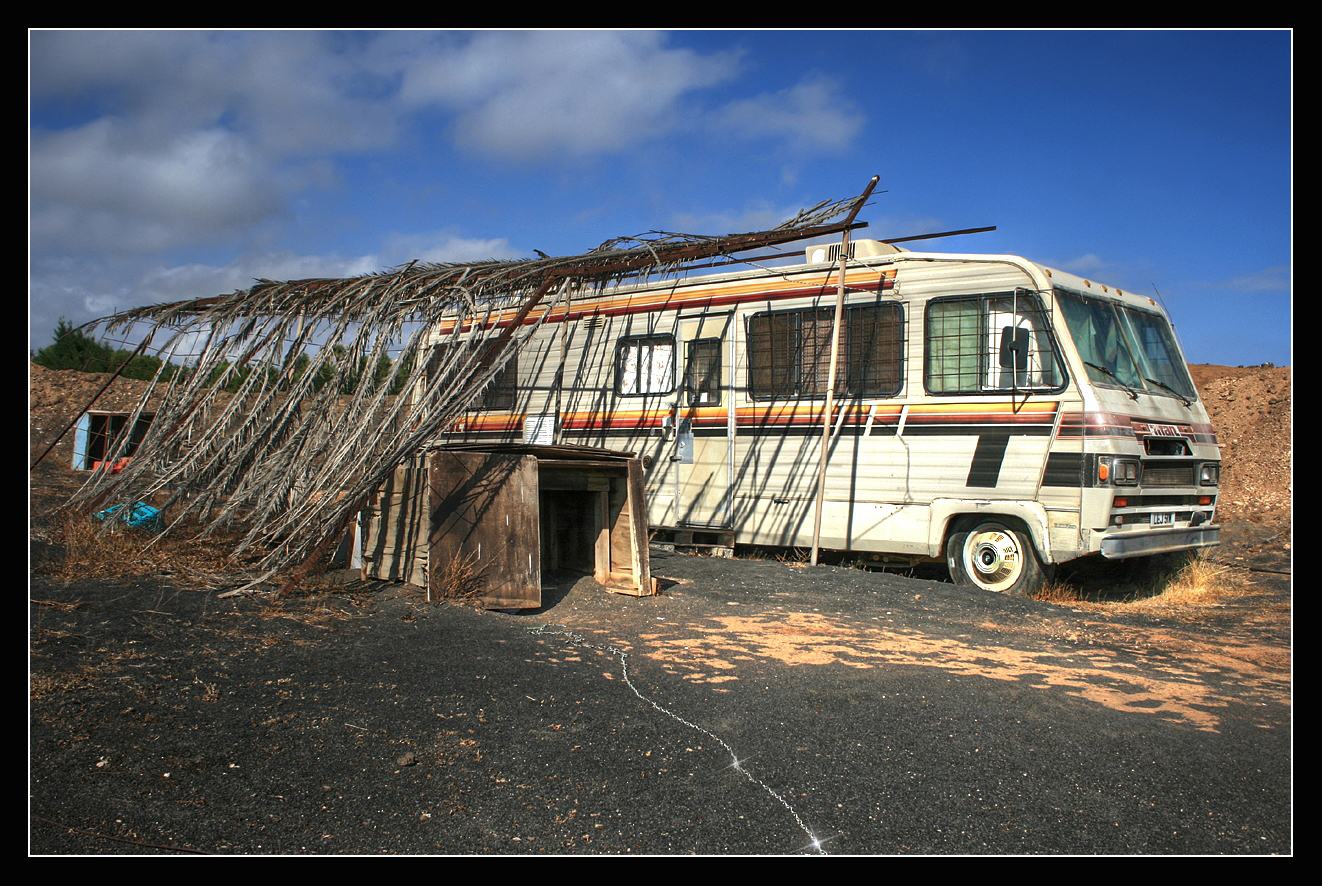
1173, 580
43, 684
76, 548
1200, 580
1059, 592
791, 556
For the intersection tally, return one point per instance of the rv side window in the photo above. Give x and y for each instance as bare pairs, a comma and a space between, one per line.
500, 393
645, 365
702, 372
985, 344
874, 360
789, 352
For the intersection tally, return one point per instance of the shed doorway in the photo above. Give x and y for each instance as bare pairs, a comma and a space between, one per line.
492, 519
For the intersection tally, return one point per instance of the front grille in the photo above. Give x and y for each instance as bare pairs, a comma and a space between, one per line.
1169, 475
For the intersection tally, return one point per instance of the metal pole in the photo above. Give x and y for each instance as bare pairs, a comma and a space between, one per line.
830, 373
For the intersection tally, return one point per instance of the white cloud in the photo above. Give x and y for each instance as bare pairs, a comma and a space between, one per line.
759, 216
87, 289
1275, 279
183, 282
810, 115
148, 141
101, 187
1085, 264
908, 226
445, 246
525, 94
144, 141
292, 93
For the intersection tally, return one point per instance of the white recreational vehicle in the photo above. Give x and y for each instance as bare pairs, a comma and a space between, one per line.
987, 410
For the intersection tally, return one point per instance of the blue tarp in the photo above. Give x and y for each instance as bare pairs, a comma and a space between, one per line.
139, 516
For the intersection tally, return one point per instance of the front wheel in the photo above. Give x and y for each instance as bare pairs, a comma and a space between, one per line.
994, 557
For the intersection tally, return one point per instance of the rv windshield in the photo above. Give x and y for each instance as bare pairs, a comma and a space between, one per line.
1121, 345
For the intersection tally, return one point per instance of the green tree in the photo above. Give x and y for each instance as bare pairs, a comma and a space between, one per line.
74, 349
142, 366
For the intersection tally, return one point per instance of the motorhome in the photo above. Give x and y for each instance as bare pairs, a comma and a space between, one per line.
986, 410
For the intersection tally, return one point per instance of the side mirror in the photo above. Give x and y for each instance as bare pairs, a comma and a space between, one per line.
1014, 348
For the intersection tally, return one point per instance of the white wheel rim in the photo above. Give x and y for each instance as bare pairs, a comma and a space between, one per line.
993, 559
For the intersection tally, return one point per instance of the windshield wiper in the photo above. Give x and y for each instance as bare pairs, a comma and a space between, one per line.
1183, 399
1133, 395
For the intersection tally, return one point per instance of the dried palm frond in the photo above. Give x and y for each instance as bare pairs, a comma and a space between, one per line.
280, 426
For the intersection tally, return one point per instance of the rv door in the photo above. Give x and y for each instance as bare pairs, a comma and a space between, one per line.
702, 445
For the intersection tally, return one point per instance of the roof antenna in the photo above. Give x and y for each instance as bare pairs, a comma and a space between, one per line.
1163, 303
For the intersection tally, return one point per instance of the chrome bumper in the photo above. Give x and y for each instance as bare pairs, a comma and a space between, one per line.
1160, 541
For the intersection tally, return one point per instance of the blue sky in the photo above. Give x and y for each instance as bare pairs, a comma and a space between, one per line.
174, 164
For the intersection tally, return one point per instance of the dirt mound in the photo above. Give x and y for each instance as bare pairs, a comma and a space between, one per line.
1250, 409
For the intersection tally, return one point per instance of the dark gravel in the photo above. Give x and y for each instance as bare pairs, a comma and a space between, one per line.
364, 720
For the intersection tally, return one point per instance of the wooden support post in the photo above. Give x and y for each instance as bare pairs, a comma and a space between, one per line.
830, 373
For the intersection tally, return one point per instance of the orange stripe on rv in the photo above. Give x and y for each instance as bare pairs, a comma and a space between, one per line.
672, 298
1043, 412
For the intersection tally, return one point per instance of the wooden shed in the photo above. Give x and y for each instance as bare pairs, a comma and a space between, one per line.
492, 519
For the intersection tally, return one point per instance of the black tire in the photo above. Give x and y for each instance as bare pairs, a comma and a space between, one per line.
994, 556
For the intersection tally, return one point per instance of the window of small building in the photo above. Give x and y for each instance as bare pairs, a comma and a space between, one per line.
99, 436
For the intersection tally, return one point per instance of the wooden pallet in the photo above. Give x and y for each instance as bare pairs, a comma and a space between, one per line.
694, 540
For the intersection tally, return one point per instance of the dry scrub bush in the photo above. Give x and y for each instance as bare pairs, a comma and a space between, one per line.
462, 579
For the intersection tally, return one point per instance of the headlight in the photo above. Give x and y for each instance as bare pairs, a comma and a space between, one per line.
1113, 471
1125, 472
1209, 474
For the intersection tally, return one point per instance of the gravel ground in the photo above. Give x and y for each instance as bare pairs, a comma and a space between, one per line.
752, 708
755, 707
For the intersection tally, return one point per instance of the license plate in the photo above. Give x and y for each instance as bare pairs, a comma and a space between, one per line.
1163, 519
